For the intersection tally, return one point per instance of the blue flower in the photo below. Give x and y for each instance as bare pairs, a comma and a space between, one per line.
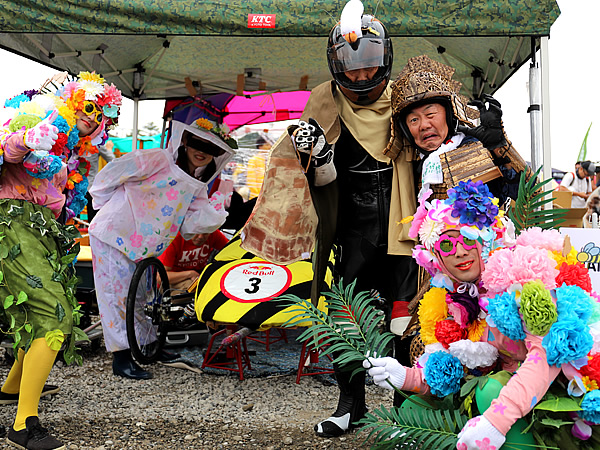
119, 241
172, 183
573, 302
61, 124
15, 102
472, 202
73, 138
166, 210
568, 339
591, 407
505, 314
159, 248
443, 373
161, 184
146, 229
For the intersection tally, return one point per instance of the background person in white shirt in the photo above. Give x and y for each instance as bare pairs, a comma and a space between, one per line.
579, 183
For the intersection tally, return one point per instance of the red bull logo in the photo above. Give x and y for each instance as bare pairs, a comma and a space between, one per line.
259, 270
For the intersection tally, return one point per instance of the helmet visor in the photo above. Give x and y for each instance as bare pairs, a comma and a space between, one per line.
364, 53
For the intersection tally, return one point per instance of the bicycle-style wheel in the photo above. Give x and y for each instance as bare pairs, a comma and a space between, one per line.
145, 320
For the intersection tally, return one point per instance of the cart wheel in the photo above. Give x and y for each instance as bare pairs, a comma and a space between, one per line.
146, 327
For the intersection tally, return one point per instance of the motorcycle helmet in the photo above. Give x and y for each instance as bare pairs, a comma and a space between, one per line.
371, 48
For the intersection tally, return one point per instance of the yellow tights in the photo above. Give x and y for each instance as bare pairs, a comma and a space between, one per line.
27, 377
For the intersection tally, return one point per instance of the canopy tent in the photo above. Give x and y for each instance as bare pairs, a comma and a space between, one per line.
170, 49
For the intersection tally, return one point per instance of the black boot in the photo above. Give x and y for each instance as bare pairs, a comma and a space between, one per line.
351, 404
125, 366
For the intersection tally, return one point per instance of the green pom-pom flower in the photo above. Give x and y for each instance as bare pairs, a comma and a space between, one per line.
537, 308
23, 120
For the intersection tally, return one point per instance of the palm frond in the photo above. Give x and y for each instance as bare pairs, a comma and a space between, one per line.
413, 428
347, 331
528, 210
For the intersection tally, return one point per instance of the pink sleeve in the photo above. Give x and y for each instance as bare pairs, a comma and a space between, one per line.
415, 381
14, 147
525, 389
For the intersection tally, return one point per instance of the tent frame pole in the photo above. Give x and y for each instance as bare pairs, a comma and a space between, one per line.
134, 136
545, 88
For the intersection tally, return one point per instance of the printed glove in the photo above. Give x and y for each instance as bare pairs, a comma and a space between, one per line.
43, 135
382, 369
479, 433
314, 151
218, 200
490, 132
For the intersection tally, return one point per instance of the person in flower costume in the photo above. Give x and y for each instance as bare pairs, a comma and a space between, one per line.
144, 199
522, 306
42, 151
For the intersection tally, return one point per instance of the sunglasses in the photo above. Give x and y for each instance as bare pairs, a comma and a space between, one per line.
90, 109
446, 245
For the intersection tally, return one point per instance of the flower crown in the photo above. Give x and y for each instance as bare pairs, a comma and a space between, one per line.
471, 209
33, 106
219, 130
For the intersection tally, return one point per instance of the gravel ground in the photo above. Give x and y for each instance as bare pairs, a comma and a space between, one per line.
181, 409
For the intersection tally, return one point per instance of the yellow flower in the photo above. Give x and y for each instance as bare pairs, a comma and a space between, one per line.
68, 114
475, 330
204, 123
559, 258
91, 77
433, 308
590, 385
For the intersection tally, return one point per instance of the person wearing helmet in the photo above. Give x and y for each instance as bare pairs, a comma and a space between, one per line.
432, 118
329, 185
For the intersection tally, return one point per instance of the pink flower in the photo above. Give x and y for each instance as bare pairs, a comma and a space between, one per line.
485, 444
173, 228
536, 237
473, 422
136, 240
520, 265
172, 194
70, 89
461, 446
112, 95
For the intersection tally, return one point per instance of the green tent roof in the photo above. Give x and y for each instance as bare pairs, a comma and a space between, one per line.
149, 47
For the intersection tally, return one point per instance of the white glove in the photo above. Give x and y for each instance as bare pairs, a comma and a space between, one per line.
382, 369
479, 433
309, 139
43, 135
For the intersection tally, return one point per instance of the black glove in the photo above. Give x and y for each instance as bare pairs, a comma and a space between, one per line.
313, 150
490, 132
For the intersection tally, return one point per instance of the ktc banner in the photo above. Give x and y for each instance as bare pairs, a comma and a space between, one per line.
587, 243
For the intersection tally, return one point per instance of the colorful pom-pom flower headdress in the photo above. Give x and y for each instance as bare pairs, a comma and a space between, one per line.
88, 93
471, 209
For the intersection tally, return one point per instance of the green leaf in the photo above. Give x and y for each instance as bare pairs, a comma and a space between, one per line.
59, 312
3, 251
556, 423
79, 335
22, 297
528, 209
68, 259
559, 404
1, 276
8, 301
14, 251
34, 281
